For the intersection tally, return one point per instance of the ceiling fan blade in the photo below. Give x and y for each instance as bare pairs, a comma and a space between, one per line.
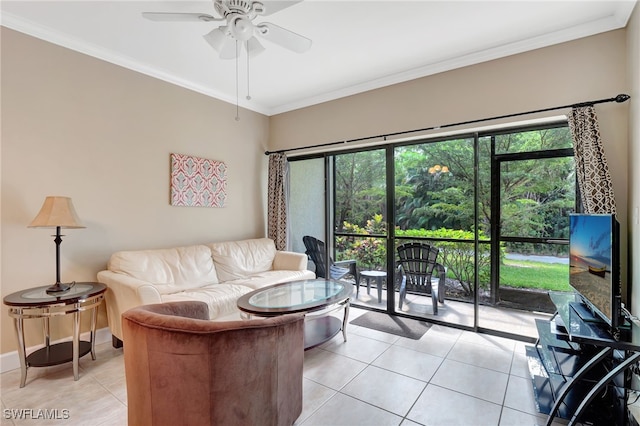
224, 45
270, 7
285, 38
180, 17
254, 47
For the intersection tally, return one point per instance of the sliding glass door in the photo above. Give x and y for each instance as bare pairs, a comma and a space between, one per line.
495, 204
434, 204
360, 222
534, 192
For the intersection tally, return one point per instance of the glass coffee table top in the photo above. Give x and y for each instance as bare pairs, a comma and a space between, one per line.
296, 296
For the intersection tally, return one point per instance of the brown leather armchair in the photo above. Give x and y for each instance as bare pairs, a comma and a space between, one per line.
181, 368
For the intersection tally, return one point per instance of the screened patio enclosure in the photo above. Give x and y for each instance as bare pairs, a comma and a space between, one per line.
496, 205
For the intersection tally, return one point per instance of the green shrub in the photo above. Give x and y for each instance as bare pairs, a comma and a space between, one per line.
370, 253
457, 256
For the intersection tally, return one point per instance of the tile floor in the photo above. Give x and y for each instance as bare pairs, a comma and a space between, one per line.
448, 377
516, 322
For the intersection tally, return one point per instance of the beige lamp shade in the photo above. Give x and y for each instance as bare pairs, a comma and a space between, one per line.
57, 211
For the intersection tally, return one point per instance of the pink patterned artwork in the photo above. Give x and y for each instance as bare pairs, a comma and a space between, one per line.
197, 182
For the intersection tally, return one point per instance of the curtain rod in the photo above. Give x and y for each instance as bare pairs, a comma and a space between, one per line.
619, 99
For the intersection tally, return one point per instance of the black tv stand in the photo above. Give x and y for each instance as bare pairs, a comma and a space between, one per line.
579, 371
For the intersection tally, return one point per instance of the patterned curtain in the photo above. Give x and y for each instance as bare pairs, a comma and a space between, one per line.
278, 201
594, 179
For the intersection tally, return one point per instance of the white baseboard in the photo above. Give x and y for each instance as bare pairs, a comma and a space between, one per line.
10, 360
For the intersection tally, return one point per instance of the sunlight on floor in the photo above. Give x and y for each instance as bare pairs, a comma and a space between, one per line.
453, 312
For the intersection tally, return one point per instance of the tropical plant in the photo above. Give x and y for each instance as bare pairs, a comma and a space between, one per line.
456, 249
360, 186
457, 254
370, 252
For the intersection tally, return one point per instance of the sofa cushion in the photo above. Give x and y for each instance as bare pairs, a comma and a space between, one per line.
220, 298
170, 269
266, 278
241, 259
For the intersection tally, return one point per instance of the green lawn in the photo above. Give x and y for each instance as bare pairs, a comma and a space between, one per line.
536, 275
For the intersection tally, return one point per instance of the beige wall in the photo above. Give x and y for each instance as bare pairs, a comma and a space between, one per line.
587, 69
633, 58
77, 126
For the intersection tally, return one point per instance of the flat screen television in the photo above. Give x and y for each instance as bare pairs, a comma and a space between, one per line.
594, 266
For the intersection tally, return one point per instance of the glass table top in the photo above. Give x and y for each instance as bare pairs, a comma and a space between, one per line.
295, 296
39, 295
296, 293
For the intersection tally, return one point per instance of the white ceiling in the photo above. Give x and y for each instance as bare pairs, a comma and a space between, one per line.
357, 45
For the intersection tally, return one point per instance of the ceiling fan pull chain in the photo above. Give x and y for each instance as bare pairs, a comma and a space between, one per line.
247, 48
237, 97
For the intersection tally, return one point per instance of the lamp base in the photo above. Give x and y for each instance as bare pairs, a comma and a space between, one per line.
58, 288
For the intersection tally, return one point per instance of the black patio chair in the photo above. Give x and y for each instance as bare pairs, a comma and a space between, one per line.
316, 251
416, 265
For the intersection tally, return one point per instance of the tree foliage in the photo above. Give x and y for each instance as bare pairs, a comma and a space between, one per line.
436, 186
360, 186
534, 193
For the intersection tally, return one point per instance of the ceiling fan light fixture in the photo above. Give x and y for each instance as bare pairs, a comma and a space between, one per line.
254, 47
241, 28
216, 38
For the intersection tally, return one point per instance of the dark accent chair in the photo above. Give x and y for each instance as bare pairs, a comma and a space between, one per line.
416, 265
316, 251
183, 369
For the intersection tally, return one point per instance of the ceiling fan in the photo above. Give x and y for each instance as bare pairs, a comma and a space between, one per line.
239, 27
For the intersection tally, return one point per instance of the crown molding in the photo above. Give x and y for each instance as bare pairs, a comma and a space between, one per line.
55, 37
608, 23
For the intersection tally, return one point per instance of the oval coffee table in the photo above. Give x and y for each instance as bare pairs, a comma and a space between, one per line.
316, 298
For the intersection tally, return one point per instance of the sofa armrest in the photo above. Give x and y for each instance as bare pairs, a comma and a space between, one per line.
123, 293
289, 261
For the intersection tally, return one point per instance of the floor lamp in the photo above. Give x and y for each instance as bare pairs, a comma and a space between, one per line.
57, 212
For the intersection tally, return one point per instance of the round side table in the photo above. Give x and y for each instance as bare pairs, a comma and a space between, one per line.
368, 276
36, 303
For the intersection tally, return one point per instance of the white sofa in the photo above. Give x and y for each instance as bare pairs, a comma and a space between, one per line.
216, 273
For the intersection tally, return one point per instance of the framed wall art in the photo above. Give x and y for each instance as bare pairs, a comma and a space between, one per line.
197, 182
